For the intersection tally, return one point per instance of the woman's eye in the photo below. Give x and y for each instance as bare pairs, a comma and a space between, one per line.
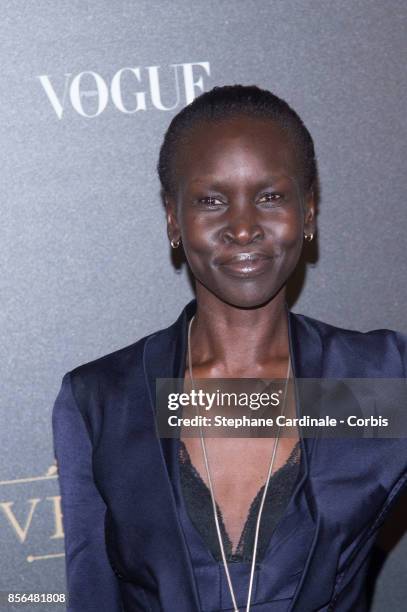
210, 202
270, 198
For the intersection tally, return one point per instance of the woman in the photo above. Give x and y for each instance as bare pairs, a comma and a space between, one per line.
173, 524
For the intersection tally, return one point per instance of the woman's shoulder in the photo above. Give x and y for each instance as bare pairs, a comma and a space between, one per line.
379, 346
130, 357
114, 365
326, 329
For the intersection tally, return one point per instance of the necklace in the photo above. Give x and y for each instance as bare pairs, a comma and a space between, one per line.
225, 565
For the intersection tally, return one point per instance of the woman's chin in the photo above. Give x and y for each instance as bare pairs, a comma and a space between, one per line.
246, 299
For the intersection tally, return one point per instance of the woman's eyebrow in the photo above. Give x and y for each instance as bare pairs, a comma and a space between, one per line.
208, 178
215, 183
209, 182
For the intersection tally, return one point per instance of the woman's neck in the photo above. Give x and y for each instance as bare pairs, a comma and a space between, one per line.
230, 341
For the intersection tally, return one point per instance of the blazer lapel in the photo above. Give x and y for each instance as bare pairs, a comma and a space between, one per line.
164, 357
307, 356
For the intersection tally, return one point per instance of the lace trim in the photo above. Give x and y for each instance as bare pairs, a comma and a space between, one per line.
198, 501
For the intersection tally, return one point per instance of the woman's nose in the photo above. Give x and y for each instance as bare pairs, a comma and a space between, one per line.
243, 228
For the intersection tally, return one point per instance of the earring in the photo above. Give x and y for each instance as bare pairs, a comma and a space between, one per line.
176, 244
309, 237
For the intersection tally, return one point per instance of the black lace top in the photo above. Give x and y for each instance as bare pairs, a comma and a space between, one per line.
198, 502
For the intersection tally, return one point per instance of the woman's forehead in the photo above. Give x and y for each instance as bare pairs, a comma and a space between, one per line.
229, 129
236, 147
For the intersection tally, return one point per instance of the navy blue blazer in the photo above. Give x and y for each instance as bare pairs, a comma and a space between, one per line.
127, 546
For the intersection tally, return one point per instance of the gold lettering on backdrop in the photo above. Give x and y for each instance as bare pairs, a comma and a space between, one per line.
59, 531
32, 558
21, 522
20, 531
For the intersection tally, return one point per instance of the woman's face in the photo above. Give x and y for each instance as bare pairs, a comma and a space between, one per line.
239, 208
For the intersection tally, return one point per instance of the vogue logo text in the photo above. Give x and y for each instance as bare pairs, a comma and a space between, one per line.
130, 90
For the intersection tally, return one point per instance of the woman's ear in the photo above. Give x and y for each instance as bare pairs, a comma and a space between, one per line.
310, 212
173, 230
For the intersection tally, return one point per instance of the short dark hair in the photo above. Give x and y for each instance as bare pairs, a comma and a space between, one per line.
231, 101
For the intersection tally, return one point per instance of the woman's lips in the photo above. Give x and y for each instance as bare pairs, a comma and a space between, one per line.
246, 266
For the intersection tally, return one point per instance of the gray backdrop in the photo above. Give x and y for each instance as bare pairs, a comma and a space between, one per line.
87, 90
